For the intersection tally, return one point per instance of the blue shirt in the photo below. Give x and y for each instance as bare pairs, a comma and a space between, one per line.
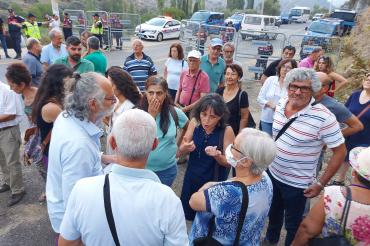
145, 211
224, 202
74, 154
34, 66
49, 54
216, 72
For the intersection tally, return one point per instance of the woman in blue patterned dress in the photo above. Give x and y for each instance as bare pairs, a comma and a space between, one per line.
251, 153
205, 138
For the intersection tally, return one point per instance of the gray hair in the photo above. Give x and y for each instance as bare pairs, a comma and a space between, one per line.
136, 40
31, 42
82, 88
259, 147
302, 74
134, 131
54, 32
229, 44
93, 43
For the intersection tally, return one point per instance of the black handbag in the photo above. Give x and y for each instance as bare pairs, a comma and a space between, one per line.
209, 240
337, 240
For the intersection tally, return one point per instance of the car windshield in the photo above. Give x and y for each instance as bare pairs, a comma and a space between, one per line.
321, 27
343, 16
237, 17
296, 12
156, 22
199, 16
252, 20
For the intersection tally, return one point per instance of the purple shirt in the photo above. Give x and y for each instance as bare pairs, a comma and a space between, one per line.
307, 62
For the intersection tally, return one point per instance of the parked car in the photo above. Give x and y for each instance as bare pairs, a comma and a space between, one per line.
210, 20
159, 28
348, 17
285, 18
317, 16
258, 26
236, 20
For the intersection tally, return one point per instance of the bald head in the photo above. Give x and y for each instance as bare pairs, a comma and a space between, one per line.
325, 83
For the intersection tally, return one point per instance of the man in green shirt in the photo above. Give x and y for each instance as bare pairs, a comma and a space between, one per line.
73, 60
95, 55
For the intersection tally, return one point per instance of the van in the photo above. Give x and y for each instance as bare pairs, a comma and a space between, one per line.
205, 17
254, 26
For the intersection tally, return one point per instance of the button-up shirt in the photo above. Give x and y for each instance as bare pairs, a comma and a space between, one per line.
145, 211
10, 104
74, 154
49, 53
83, 65
215, 71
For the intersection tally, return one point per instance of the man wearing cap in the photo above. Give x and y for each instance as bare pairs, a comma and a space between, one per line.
97, 28
194, 83
31, 27
15, 28
67, 26
213, 64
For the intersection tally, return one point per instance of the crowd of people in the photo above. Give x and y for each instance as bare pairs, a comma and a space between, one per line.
237, 177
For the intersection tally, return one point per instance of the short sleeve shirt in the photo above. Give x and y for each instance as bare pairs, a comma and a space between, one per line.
215, 71
307, 63
49, 54
35, 67
338, 109
10, 104
83, 66
187, 83
99, 60
174, 70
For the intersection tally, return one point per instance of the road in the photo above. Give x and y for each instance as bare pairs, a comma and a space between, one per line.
27, 223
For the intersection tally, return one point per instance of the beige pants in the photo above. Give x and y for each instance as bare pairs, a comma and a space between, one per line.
11, 167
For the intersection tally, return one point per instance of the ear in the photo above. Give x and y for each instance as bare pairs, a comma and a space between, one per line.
155, 144
112, 143
93, 105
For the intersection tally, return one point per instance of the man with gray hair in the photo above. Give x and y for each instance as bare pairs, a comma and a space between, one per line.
55, 50
95, 55
131, 198
301, 128
228, 54
74, 151
32, 60
310, 60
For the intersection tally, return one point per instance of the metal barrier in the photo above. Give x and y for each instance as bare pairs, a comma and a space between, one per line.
122, 26
304, 45
190, 37
78, 19
103, 15
256, 53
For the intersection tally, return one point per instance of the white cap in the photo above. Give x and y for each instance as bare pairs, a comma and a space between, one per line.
195, 54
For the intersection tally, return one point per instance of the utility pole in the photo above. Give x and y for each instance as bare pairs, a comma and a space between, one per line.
263, 6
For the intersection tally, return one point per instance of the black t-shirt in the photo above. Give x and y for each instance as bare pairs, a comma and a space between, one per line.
271, 69
234, 108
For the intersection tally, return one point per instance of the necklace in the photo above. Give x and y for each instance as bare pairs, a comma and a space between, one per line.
360, 186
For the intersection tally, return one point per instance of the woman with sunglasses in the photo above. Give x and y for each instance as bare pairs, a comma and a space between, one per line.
251, 153
325, 64
204, 141
271, 92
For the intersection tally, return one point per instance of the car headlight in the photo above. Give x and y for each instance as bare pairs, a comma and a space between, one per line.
152, 31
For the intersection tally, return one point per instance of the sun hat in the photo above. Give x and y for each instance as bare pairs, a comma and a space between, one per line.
195, 54
359, 158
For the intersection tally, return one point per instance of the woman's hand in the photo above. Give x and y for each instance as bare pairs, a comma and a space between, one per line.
187, 146
212, 151
154, 107
270, 105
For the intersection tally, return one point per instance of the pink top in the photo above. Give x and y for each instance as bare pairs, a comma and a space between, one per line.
186, 87
307, 62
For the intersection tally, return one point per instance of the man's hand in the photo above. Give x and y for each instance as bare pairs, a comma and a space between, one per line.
313, 190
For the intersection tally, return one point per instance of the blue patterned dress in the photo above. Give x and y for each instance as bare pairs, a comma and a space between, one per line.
224, 201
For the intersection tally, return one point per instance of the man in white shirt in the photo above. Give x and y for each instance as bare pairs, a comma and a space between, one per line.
11, 112
145, 212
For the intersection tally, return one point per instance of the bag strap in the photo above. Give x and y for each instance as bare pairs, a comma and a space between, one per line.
108, 210
347, 205
221, 148
243, 211
195, 85
46, 140
285, 127
363, 111
175, 117
240, 99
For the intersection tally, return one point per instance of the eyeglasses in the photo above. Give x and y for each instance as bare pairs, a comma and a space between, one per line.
303, 89
232, 147
112, 99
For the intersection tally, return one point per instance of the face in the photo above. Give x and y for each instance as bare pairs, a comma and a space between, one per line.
209, 119
193, 63
137, 47
316, 56
156, 93
285, 69
231, 77
288, 54
74, 52
84, 40
57, 40
322, 64
228, 52
15, 87
105, 108
174, 53
214, 52
366, 83
37, 48
300, 93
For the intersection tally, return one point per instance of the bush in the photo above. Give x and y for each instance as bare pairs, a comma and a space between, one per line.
174, 13
147, 16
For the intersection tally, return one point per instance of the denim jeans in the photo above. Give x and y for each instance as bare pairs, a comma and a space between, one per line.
288, 203
168, 175
266, 127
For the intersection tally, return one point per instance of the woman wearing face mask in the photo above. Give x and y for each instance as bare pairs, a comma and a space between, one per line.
250, 154
205, 139
158, 103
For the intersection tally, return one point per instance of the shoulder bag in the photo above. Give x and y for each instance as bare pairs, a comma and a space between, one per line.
209, 240
34, 148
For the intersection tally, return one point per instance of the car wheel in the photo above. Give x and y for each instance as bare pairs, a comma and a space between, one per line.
159, 37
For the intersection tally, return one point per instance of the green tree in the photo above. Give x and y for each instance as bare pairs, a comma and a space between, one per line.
250, 4
174, 12
271, 7
160, 4
317, 9
235, 4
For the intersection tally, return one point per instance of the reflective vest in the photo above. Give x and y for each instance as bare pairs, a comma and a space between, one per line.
97, 30
32, 30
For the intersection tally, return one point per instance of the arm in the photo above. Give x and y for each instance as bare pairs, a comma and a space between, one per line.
354, 126
261, 99
187, 144
50, 112
165, 72
198, 200
7, 117
243, 118
312, 225
263, 78
338, 78
64, 242
191, 106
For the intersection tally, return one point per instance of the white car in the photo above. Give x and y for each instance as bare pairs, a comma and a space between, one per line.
159, 28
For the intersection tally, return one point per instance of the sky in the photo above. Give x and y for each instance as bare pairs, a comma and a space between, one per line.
338, 3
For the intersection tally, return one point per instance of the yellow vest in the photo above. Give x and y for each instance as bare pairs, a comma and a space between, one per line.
32, 30
97, 30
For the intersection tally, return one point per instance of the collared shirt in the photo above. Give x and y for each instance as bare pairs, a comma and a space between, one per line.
83, 65
299, 148
307, 62
49, 53
145, 211
187, 83
10, 104
215, 71
34, 66
139, 70
74, 154
99, 60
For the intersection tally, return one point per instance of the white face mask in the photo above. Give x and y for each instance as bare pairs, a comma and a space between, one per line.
230, 158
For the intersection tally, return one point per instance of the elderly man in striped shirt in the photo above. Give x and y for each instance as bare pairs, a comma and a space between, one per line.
301, 128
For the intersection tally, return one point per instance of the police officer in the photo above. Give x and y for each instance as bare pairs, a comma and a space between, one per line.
97, 28
15, 28
31, 27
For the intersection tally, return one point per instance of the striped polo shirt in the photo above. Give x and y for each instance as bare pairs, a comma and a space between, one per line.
298, 149
140, 70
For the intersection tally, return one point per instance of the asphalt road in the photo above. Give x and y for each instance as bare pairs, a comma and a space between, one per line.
27, 223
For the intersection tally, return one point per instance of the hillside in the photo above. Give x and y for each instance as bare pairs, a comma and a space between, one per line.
286, 5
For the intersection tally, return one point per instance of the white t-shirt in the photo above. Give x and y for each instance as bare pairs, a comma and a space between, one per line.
10, 104
174, 69
54, 24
